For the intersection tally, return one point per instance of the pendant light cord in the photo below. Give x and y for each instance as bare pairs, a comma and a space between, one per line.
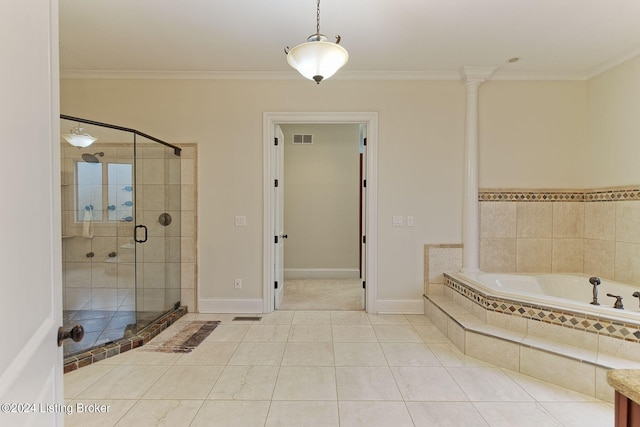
318, 18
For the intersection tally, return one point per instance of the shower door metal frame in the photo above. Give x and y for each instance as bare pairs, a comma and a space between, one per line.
176, 150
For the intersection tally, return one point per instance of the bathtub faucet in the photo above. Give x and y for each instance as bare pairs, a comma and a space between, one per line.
595, 281
637, 295
618, 303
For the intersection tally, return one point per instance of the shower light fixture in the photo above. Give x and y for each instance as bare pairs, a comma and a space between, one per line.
78, 137
318, 58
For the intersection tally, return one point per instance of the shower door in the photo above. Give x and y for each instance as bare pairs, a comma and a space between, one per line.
157, 229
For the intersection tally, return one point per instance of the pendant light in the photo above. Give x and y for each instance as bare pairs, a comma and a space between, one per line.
78, 137
318, 58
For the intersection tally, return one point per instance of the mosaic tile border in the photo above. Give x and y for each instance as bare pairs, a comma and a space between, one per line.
594, 195
114, 348
566, 318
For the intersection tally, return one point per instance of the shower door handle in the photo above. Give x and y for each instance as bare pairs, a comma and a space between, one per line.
135, 234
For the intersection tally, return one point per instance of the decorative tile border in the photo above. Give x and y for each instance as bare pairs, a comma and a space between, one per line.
114, 348
600, 325
530, 196
612, 195
593, 195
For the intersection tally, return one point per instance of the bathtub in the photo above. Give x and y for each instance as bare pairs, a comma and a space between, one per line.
529, 322
556, 292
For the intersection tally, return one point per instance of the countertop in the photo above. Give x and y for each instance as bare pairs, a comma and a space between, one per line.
626, 381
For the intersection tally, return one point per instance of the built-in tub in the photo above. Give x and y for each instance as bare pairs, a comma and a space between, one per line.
541, 325
560, 299
567, 291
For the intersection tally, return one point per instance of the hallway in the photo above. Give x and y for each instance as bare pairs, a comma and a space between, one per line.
333, 368
323, 294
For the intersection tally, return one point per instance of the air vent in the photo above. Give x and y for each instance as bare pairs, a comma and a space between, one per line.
247, 318
302, 139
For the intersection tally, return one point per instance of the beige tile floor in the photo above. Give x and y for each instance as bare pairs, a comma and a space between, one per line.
320, 368
323, 294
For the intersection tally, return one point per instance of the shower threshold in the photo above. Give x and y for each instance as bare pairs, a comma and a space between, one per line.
137, 334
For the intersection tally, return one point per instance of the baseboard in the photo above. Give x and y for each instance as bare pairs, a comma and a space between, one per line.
390, 306
225, 305
321, 273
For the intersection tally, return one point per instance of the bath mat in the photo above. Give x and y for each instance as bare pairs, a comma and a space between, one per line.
188, 338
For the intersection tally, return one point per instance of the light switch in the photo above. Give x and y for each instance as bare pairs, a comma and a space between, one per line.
410, 221
398, 221
241, 221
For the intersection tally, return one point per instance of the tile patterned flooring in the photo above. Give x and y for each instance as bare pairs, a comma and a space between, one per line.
320, 368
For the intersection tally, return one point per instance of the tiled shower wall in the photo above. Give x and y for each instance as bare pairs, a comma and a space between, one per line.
189, 233
592, 231
92, 283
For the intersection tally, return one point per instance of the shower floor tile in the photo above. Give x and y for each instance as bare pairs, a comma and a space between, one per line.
103, 326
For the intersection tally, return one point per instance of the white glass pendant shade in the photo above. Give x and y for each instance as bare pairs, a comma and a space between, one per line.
78, 138
317, 60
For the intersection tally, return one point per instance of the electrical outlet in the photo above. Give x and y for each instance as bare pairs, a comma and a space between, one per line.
237, 283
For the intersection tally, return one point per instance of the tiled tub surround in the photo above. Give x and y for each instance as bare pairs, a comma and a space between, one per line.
564, 347
596, 232
439, 259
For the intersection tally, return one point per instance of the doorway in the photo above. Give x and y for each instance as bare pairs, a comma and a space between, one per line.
321, 186
362, 268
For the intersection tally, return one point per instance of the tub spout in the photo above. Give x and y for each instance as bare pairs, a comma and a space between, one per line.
637, 295
595, 281
618, 303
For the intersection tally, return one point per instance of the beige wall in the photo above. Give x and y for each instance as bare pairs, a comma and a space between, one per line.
532, 134
420, 156
613, 148
322, 190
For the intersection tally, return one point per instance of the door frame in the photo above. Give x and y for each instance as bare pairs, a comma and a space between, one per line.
370, 120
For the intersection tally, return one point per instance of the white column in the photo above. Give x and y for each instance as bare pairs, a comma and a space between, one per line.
472, 77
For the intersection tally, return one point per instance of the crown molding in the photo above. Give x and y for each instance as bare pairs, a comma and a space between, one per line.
538, 75
292, 75
251, 75
606, 66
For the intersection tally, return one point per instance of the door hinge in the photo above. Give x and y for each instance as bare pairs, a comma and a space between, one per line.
364, 239
365, 142
275, 239
275, 183
275, 141
364, 284
276, 285
364, 183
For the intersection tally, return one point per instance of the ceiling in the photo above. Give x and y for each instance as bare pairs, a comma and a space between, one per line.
563, 39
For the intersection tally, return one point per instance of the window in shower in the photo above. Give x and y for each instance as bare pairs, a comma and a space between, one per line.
120, 192
92, 201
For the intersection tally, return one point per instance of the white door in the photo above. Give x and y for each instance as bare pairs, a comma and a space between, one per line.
279, 236
363, 213
30, 246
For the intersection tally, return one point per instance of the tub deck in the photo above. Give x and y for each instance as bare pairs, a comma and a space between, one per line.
525, 339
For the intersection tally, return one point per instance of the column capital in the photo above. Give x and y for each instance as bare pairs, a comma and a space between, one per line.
473, 74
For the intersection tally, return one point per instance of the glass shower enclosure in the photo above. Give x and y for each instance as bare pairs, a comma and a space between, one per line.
120, 232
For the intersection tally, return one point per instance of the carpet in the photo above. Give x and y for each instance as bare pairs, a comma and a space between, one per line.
323, 294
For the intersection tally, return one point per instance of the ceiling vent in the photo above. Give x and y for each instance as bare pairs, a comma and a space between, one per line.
302, 139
